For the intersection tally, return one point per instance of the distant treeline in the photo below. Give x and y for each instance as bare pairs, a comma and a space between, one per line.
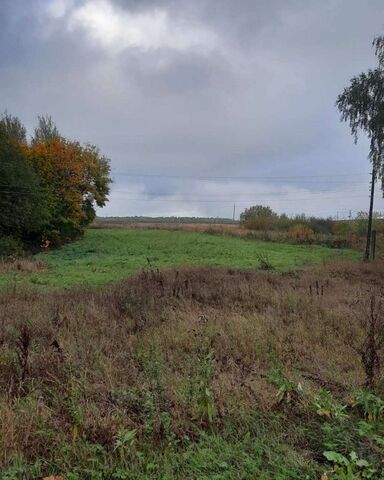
310, 229
261, 217
141, 219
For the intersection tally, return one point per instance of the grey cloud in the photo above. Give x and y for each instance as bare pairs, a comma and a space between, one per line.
260, 103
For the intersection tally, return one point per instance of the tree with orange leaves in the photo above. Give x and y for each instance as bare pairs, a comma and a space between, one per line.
77, 180
50, 186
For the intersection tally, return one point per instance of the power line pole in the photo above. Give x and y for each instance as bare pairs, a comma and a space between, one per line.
373, 244
234, 211
370, 215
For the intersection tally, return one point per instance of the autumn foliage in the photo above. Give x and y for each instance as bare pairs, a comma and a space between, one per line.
75, 178
301, 234
61, 177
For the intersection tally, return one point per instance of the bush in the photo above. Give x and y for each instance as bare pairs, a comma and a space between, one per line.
10, 247
338, 243
341, 228
259, 223
258, 217
301, 234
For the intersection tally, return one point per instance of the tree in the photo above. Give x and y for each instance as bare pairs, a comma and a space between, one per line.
362, 105
77, 178
258, 217
23, 202
49, 189
46, 130
96, 181
13, 127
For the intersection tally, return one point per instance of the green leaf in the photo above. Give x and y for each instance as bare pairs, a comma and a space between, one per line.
353, 456
336, 457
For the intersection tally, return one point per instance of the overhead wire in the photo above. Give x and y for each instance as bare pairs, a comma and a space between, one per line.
233, 177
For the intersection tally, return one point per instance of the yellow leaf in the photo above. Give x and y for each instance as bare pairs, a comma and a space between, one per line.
75, 432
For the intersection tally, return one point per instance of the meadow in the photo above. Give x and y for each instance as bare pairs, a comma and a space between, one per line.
196, 373
108, 255
188, 362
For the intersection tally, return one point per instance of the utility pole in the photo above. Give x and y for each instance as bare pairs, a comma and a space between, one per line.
370, 215
373, 244
234, 211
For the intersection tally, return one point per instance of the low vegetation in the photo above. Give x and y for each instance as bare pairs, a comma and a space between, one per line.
107, 255
196, 373
262, 223
302, 229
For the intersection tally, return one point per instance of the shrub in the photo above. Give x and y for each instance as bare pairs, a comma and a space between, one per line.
258, 217
371, 405
10, 247
341, 228
338, 242
264, 262
301, 234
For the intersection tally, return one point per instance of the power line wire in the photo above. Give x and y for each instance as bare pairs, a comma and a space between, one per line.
208, 177
261, 194
155, 199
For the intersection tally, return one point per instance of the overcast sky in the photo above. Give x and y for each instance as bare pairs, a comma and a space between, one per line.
199, 103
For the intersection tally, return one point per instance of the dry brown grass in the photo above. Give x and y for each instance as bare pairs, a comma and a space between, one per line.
218, 228
27, 265
235, 230
95, 360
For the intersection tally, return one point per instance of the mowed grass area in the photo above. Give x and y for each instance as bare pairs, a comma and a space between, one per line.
107, 255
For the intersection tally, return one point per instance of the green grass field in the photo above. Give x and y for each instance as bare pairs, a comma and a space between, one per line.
107, 255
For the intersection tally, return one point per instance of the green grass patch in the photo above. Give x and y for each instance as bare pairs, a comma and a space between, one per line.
108, 255
260, 452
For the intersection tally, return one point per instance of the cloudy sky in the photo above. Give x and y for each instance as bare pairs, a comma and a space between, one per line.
199, 104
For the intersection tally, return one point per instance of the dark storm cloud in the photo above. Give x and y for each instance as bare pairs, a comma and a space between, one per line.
210, 87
